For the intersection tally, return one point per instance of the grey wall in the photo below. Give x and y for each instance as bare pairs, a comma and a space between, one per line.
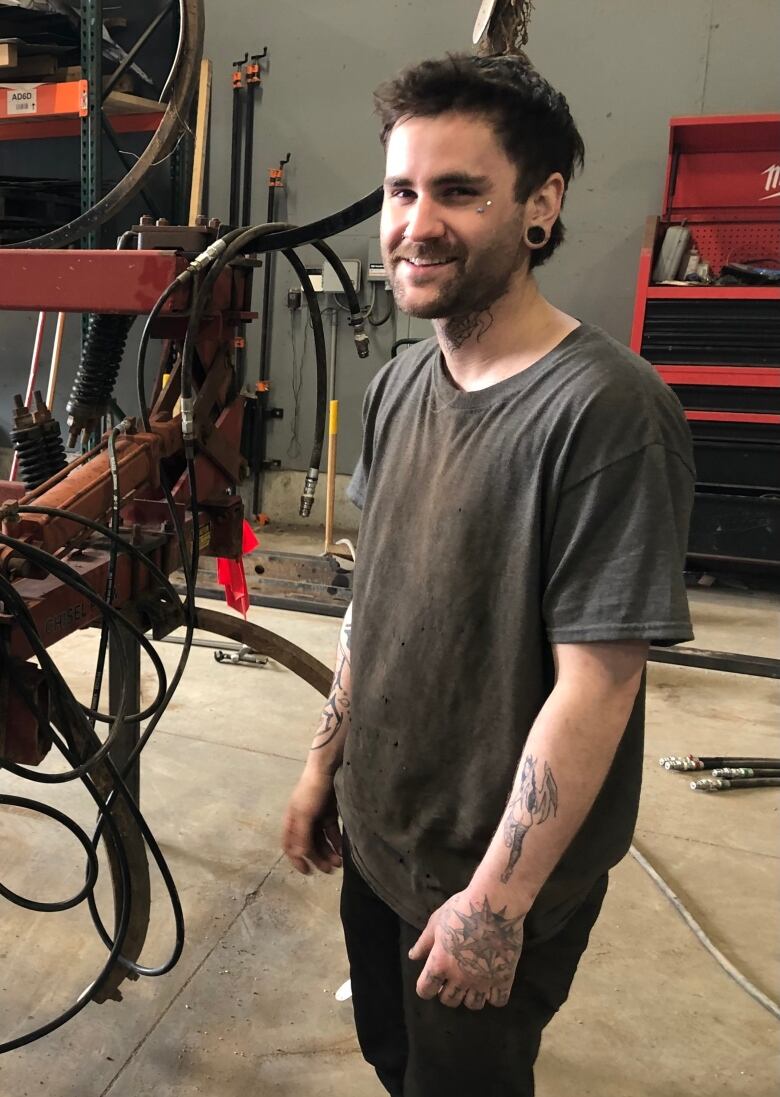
626, 67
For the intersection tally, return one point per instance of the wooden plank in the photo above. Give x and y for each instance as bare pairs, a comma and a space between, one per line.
120, 102
38, 64
201, 140
8, 55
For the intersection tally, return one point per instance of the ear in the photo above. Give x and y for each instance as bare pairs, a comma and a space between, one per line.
544, 204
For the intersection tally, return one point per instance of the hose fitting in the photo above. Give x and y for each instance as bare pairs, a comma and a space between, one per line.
188, 418
707, 784
205, 259
309, 488
361, 339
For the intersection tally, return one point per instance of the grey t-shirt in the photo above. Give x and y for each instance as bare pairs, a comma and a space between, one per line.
552, 507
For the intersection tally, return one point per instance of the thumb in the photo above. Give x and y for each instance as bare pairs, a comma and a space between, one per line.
424, 943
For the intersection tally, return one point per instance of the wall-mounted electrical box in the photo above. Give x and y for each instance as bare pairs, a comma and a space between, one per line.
331, 284
376, 266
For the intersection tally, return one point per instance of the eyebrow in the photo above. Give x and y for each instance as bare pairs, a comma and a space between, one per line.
457, 178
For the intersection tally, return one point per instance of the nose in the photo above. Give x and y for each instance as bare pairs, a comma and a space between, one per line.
423, 221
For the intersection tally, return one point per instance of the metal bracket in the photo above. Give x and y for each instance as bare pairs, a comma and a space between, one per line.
244, 657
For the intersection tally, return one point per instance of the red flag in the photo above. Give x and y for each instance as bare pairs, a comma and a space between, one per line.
231, 574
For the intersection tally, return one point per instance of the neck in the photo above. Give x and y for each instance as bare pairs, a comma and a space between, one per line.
486, 346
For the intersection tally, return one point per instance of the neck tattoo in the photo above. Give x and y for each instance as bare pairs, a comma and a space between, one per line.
457, 330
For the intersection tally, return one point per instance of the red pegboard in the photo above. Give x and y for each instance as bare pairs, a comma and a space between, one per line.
736, 243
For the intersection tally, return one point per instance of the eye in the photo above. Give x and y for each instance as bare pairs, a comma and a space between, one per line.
460, 192
403, 194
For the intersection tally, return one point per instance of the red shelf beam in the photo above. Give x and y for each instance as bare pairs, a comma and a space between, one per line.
753, 377
70, 127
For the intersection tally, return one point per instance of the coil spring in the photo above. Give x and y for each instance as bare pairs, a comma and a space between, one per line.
93, 387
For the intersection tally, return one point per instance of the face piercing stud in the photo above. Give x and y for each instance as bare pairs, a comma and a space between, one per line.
481, 209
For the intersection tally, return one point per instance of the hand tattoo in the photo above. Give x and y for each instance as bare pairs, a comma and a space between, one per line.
337, 708
456, 330
532, 805
486, 944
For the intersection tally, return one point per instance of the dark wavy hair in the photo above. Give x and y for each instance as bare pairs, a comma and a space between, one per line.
530, 118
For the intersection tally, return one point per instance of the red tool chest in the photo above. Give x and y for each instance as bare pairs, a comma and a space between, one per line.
718, 345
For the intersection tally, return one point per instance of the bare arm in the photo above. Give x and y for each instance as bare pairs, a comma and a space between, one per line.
563, 766
310, 832
473, 943
327, 749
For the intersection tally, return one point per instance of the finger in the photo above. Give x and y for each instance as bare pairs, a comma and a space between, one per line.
452, 995
475, 999
430, 983
333, 834
424, 942
325, 850
498, 997
300, 864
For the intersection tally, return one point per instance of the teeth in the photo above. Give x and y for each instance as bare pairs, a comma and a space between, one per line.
427, 262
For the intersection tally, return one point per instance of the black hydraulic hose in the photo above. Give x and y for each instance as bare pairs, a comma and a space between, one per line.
78, 833
691, 762
402, 343
265, 238
356, 318
68, 575
321, 358
265, 320
259, 433
747, 771
119, 779
184, 81
722, 784
112, 559
105, 814
349, 291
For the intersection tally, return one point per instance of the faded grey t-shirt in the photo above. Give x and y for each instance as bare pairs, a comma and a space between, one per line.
552, 507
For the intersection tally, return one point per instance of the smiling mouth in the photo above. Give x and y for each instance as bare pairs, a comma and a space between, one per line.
427, 264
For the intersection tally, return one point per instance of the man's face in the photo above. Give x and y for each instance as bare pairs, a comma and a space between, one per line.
442, 257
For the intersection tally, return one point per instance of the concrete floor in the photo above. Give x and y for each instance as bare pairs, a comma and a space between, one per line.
250, 1009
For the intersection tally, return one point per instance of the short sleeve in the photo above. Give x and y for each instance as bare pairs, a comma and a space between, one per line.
616, 553
358, 485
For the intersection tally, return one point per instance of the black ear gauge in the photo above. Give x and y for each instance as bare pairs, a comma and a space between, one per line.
535, 236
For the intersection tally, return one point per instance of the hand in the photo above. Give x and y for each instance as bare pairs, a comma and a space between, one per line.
310, 832
472, 952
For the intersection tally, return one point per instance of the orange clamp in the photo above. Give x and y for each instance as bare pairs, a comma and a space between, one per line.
276, 177
237, 78
253, 73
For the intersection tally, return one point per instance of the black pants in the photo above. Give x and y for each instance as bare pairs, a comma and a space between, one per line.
423, 1049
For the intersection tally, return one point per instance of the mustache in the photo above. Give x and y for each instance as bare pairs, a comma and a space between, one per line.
424, 254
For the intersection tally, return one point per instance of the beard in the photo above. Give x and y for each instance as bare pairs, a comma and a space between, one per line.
473, 284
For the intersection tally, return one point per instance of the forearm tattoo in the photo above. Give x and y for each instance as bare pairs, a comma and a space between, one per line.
531, 806
337, 709
485, 944
458, 329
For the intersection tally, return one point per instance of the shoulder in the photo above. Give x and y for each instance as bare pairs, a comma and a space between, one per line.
617, 404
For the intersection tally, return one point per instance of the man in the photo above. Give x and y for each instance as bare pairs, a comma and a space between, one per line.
526, 484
